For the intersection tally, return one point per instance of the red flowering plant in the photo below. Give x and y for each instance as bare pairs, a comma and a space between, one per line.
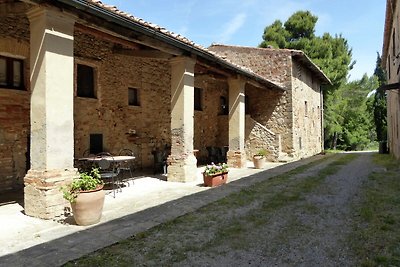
213, 169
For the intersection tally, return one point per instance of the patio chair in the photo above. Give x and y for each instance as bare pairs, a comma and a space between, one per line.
160, 159
109, 170
126, 166
213, 154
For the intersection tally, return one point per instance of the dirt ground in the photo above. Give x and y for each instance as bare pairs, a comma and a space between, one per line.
302, 219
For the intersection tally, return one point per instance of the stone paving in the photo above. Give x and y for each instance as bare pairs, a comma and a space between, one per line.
145, 203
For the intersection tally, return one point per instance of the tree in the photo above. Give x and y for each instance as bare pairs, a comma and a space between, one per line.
331, 54
379, 103
348, 121
301, 25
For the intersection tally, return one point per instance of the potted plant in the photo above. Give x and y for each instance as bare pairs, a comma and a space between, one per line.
215, 174
259, 158
86, 196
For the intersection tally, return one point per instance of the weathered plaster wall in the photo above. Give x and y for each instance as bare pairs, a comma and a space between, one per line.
14, 105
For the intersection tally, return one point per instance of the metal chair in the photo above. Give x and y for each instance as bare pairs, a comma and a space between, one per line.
126, 166
109, 170
160, 159
213, 154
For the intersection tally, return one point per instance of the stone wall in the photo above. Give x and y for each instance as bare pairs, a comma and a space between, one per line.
210, 126
273, 64
282, 112
14, 105
270, 108
258, 137
307, 130
392, 65
110, 113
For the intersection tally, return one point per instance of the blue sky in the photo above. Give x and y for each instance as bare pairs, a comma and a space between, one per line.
242, 22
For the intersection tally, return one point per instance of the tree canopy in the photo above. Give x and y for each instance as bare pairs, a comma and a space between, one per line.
348, 122
379, 103
350, 117
331, 53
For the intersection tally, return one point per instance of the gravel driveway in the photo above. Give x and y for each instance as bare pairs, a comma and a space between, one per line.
303, 219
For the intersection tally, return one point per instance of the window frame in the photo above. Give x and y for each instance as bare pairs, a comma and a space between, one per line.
93, 94
9, 75
224, 105
137, 101
198, 95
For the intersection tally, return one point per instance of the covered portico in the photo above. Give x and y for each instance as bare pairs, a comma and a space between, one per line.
57, 114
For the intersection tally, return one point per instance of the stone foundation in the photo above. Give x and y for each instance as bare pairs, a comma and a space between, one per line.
182, 169
42, 195
236, 159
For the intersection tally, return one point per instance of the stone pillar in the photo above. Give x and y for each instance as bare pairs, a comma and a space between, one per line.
182, 162
236, 154
52, 137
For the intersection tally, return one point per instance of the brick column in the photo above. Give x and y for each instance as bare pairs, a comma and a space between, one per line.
182, 161
52, 138
236, 154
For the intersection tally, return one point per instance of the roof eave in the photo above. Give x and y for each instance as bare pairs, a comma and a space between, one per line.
120, 20
311, 65
390, 6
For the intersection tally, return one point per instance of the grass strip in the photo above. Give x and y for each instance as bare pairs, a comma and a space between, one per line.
376, 236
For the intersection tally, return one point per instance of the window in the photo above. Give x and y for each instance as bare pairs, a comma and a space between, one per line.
197, 98
11, 73
96, 143
224, 110
133, 97
85, 81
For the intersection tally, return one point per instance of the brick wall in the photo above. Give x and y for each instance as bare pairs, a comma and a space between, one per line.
14, 105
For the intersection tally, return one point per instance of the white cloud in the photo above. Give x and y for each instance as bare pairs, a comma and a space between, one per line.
231, 27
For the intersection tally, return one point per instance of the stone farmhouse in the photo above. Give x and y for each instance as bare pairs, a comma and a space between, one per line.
78, 75
391, 63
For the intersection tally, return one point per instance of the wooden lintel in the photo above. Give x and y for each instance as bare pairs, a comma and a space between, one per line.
106, 36
128, 38
212, 69
9, 7
256, 84
156, 54
214, 76
159, 45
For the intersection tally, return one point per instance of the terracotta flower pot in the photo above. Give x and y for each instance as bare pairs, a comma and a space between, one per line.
259, 162
215, 180
88, 206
